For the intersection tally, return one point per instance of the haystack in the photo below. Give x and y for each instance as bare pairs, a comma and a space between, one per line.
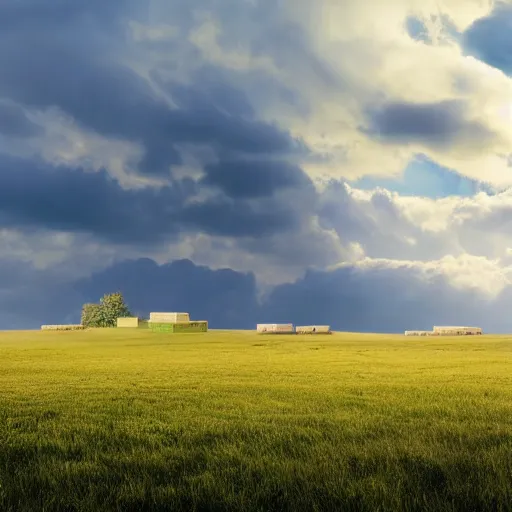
313, 329
169, 318
275, 329
128, 321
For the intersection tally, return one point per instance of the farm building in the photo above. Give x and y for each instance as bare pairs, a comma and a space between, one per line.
275, 328
67, 327
456, 330
130, 321
169, 317
179, 327
313, 329
447, 331
175, 323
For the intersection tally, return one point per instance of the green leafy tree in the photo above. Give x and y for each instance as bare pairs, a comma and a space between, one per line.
106, 313
112, 307
91, 315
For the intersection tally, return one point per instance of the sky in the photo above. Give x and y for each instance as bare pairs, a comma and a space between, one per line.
258, 161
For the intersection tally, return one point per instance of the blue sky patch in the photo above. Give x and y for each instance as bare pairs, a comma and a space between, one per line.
423, 177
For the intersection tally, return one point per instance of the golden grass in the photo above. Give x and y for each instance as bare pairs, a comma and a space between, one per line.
111, 419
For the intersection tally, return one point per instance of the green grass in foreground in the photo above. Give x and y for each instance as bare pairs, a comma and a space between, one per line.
133, 420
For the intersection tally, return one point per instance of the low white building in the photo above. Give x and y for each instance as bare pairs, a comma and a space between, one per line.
171, 317
313, 329
457, 330
275, 328
129, 321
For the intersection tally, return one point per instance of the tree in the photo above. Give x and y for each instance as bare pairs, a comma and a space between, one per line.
106, 313
91, 315
112, 308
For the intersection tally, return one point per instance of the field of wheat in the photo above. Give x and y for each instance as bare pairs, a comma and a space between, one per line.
133, 420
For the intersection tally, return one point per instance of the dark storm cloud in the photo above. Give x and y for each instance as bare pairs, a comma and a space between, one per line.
223, 297
338, 211
375, 299
71, 55
101, 96
207, 117
34, 194
226, 86
30, 297
199, 118
436, 124
490, 38
15, 123
237, 218
65, 55
75, 65
209, 91
253, 179
50, 14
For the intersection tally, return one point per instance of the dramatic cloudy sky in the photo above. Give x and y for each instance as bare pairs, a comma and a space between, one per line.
328, 161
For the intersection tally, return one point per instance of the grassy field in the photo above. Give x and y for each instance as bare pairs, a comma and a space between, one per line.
133, 420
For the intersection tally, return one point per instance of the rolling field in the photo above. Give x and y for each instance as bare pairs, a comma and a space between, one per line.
131, 420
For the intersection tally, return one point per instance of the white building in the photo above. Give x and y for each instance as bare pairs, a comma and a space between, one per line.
275, 328
458, 330
313, 329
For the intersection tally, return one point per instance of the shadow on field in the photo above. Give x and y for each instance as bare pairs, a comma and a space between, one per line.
207, 471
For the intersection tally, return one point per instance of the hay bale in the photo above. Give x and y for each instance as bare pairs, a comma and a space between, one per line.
128, 321
68, 327
458, 330
264, 327
275, 329
313, 329
172, 318
179, 327
474, 330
